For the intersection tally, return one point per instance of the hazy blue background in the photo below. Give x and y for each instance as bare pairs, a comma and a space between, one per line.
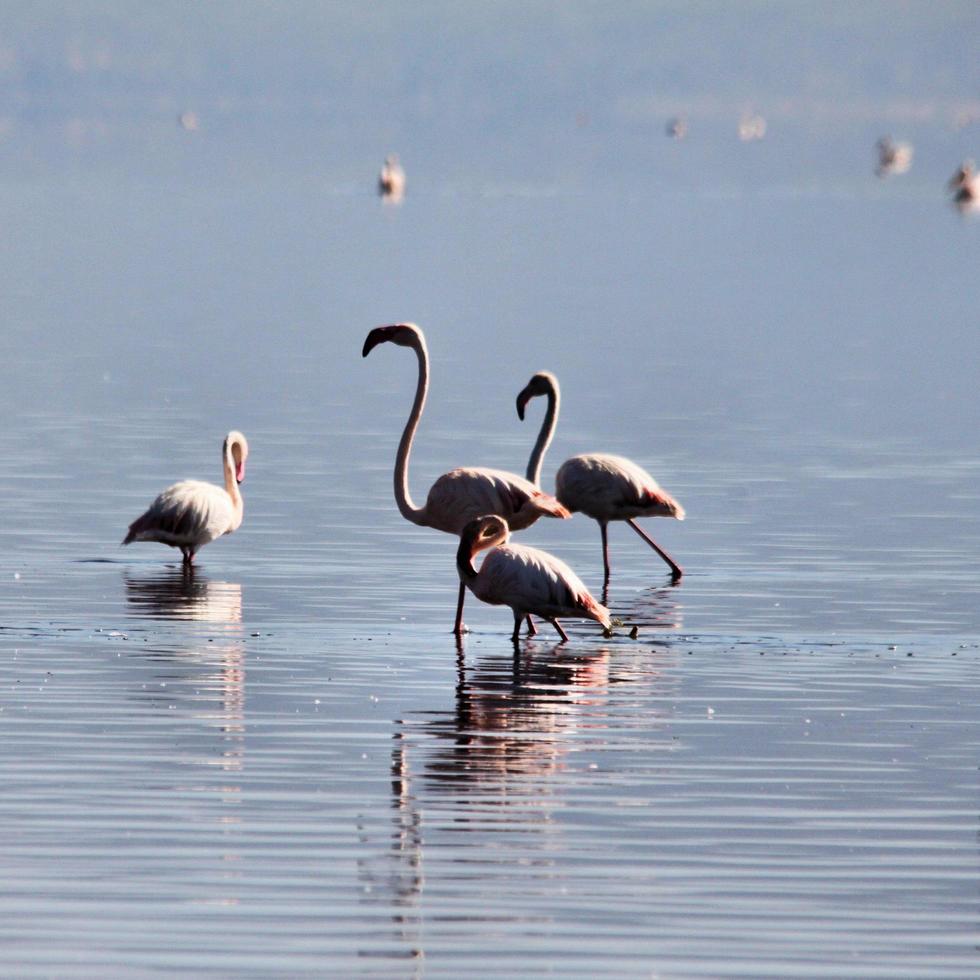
284, 765
569, 94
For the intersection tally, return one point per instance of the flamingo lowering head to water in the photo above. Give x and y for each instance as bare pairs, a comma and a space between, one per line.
604, 487
191, 513
464, 493
530, 581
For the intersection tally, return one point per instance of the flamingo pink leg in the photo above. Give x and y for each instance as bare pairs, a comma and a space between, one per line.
459, 628
675, 569
561, 632
532, 630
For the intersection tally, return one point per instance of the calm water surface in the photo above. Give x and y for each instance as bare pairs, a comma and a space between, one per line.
284, 765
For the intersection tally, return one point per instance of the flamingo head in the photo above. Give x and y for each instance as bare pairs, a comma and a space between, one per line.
482, 533
542, 383
236, 450
403, 334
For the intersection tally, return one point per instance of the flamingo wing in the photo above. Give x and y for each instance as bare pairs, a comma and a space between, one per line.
534, 581
608, 487
463, 494
188, 513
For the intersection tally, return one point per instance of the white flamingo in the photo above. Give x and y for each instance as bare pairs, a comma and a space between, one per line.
602, 486
462, 494
191, 513
530, 581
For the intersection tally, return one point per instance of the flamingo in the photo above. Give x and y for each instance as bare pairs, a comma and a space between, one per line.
528, 580
751, 128
391, 180
965, 184
462, 494
602, 486
893, 158
191, 513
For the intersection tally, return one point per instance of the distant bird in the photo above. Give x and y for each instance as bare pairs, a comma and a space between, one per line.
893, 158
188, 121
751, 128
965, 117
530, 581
462, 494
192, 513
965, 184
677, 127
391, 180
604, 487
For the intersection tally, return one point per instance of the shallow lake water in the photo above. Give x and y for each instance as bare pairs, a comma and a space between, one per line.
285, 764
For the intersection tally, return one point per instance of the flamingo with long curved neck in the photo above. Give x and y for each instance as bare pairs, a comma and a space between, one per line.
600, 485
462, 494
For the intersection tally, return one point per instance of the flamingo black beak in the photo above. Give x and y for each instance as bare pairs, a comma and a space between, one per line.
522, 399
379, 335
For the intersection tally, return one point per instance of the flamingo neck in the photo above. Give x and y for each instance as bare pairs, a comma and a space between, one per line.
231, 484
470, 545
464, 561
545, 436
403, 496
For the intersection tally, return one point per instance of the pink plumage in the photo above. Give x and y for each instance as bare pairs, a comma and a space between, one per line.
602, 486
530, 581
467, 492
612, 488
462, 494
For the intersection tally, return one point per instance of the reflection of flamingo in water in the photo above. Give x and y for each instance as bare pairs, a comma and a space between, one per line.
507, 736
604, 487
493, 774
192, 513
526, 579
516, 717
184, 594
181, 595
460, 495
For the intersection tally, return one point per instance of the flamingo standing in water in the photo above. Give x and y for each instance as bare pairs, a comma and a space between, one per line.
526, 579
191, 513
604, 487
462, 494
